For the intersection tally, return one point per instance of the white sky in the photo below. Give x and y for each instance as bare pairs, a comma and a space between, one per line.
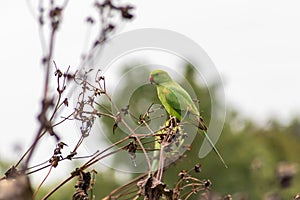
254, 44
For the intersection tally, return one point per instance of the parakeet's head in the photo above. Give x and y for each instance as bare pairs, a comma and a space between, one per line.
159, 76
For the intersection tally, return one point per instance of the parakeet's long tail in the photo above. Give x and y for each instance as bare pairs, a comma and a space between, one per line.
212, 145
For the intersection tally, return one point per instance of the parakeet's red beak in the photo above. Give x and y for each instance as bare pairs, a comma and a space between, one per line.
151, 80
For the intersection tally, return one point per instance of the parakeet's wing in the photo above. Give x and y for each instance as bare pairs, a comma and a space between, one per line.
176, 100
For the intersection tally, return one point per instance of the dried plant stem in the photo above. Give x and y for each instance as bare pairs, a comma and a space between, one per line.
49, 57
38, 169
45, 98
28, 150
58, 186
102, 157
35, 141
161, 164
84, 167
130, 184
141, 145
37, 190
108, 148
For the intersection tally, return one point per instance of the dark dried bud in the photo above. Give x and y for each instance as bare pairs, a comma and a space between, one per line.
56, 12
96, 43
97, 92
286, 173
44, 60
66, 102
57, 151
197, 167
110, 28
101, 78
41, 20
182, 174
125, 110
117, 120
227, 197
55, 15
58, 73
54, 161
90, 20
132, 146
61, 145
126, 12
70, 76
207, 183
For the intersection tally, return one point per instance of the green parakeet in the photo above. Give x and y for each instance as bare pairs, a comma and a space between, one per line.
178, 103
